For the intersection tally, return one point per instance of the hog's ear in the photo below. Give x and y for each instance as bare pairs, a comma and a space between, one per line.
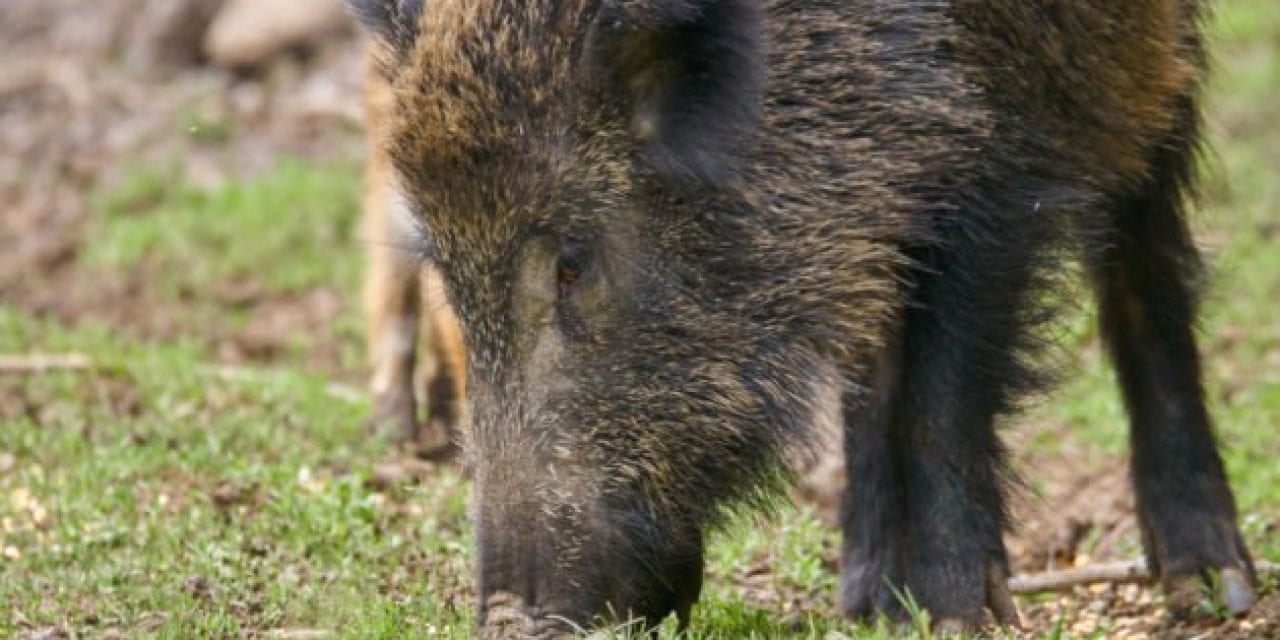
692, 75
394, 22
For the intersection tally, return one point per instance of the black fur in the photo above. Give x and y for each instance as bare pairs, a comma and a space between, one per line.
1147, 275
396, 21
694, 78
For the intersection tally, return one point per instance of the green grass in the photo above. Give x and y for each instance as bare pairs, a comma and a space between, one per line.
159, 497
184, 504
292, 219
210, 257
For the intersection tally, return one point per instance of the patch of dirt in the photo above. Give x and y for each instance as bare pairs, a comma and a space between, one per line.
1132, 612
1075, 507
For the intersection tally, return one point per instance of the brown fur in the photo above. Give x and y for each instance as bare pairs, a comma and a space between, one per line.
1100, 79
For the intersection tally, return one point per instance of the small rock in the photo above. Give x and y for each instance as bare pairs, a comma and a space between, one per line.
247, 33
197, 587
167, 33
228, 495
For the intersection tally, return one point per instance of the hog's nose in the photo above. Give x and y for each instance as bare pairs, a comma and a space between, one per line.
526, 591
544, 578
505, 615
522, 596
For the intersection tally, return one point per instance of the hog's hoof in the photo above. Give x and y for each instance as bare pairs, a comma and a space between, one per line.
1238, 592
870, 596
395, 417
1205, 561
1233, 588
866, 592
435, 443
996, 598
999, 600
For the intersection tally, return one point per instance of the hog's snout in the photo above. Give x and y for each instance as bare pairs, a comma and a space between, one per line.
551, 581
525, 591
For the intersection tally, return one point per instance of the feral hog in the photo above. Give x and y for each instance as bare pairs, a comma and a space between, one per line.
673, 229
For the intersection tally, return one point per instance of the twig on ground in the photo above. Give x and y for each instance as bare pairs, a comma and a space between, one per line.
1113, 572
238, 374
36, 363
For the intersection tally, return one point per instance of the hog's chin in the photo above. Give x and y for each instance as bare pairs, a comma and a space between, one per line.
505, 615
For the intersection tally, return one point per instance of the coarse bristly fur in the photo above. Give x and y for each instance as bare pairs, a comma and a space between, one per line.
666, 224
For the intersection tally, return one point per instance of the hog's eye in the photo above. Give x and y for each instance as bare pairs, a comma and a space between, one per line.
569, 267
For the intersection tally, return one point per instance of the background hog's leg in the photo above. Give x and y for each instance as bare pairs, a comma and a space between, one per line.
392, 298
447, 380
1145, 274
392, 290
